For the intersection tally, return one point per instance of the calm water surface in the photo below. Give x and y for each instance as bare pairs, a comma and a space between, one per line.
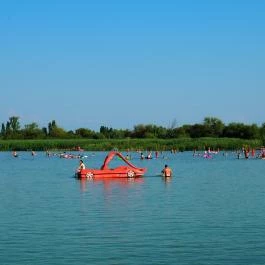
211, 212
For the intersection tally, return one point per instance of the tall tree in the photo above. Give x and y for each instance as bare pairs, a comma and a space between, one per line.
262, 133
14, 123
3, 130
213, 126
32, 131
56, 132
51, 127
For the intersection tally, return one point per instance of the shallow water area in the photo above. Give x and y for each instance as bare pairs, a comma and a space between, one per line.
210, 212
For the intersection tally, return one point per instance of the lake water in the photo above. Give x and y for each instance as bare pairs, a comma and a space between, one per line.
211, 212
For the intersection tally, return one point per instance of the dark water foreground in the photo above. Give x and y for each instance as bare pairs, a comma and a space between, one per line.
211, 212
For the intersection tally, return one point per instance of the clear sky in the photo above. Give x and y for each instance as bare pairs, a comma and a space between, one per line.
119, 63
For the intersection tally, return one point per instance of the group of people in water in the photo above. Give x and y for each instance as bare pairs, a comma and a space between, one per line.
166, 171
150, 155
15, 153
245, 152
241, 153
49, 154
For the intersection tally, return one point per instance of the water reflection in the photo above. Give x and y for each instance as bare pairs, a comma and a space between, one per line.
109, 183
167, 179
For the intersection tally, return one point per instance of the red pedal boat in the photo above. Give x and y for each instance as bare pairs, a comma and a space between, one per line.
126, 171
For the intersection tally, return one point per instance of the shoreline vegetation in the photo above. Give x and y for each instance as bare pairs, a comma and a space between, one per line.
211, 133
180, 144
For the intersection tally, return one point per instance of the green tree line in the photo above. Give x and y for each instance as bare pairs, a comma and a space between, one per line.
210, 127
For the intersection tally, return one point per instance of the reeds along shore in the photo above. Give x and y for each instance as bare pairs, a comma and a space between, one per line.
180, 144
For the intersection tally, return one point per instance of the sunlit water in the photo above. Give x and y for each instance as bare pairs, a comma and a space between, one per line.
211, 212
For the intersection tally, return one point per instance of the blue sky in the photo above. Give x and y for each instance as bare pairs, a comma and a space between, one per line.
123, 63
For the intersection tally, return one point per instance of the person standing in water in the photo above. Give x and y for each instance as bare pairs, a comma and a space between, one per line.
167, 172
81, 166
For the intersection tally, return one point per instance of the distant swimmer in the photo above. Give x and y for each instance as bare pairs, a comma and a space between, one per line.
15, 154
149, 156
253, 151
246, 153
167, 172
